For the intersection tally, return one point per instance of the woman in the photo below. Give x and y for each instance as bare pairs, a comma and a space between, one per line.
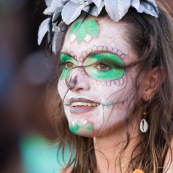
115, 85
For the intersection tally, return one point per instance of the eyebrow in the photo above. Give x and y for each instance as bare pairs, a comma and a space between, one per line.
99, 52
68, 54
118, 52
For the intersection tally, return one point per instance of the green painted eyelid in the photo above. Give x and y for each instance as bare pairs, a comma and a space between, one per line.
109, 57
111, 60
64, 58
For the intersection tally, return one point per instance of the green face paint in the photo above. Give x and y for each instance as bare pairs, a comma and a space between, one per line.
78, 128
75, 129
84, 30
68, 63
89, 127
105, 66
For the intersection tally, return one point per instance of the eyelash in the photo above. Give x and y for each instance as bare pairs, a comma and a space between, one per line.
66, 63
100, 65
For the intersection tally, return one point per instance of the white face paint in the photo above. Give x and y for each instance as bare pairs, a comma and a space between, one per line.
99, 96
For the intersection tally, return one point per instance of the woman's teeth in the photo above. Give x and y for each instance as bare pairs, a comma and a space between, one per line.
75, 104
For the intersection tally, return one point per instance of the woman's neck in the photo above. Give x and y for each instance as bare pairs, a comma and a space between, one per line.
109, 147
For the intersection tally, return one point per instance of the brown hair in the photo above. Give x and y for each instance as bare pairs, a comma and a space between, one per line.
152, 39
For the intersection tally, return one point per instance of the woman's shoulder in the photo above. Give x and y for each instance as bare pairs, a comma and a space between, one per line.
68, 170
168, 164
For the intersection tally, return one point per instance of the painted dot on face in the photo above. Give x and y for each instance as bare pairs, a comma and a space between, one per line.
104, 67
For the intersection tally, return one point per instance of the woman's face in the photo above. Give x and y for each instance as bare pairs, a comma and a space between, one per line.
97, 95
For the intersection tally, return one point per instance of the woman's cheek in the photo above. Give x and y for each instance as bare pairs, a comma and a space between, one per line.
62, 88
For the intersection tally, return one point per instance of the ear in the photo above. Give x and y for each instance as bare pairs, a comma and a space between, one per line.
151, 83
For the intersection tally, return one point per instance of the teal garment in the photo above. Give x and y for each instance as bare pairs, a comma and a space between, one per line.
39, 157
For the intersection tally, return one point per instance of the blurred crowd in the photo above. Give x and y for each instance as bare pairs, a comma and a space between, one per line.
25, 99
25, 71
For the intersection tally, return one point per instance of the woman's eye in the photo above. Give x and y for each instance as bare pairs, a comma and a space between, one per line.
102, 66
69, 65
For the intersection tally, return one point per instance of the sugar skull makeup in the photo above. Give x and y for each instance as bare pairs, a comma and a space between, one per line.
96, 90
103, 67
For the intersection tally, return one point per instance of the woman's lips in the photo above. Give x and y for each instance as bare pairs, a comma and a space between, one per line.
81, 105
75, 110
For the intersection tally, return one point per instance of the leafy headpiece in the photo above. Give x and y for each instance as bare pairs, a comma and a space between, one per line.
70, 10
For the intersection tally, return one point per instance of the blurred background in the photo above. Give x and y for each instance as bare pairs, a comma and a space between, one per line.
25, 71
27, 91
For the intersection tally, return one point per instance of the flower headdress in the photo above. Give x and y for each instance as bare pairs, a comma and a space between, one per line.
70, 10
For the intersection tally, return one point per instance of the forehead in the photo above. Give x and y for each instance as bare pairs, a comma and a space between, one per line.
106, 34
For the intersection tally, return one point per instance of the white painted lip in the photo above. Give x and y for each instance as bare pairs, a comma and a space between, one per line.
78, 110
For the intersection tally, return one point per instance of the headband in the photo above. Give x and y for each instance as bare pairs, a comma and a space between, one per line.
70, 10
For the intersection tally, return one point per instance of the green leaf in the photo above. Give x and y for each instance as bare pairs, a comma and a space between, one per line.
92, 28
75, 26
81, 33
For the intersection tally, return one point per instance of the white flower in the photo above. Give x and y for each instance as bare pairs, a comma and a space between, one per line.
70, 10
43, 29
148, 7
73, 9
56, 5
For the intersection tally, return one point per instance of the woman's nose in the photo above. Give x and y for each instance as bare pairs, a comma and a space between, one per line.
77, 81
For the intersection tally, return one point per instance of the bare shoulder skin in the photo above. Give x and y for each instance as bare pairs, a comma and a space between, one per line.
168, 165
